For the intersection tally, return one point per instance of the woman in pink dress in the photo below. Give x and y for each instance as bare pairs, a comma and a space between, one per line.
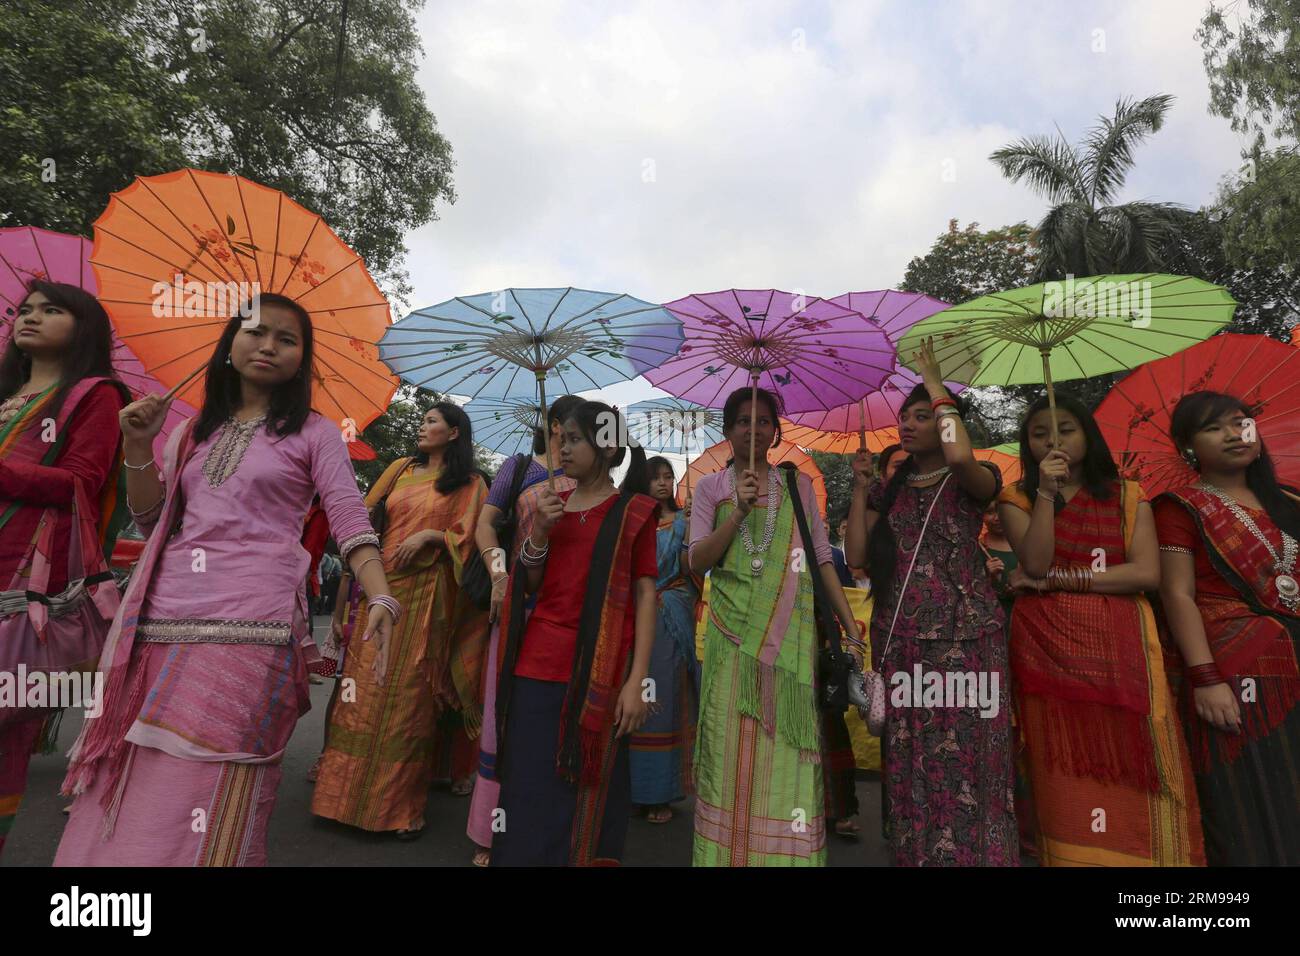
205, 669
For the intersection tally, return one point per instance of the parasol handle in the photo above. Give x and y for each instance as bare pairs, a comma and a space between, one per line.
862, 424
183, 382
1046, 353
687, 476
541, 392
753, 418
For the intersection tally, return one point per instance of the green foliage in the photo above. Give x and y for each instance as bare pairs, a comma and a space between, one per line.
966, 263
1084, 232
838, 474
109, 89
1268, 297
1260, 213
1255, 72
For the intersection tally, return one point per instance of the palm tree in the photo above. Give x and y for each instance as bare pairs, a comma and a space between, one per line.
1084, 233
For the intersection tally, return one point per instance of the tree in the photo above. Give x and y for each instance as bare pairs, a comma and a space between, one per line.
392, 435
1085, 233
1255, 74
966, 263
1268, 297
1260, 213
314, 97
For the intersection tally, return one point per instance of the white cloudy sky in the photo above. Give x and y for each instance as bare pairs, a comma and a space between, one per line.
664, 147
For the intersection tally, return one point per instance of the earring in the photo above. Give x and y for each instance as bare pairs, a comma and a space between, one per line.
228, 362
1189, 456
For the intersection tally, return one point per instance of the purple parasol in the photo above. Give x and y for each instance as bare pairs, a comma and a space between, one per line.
894, 312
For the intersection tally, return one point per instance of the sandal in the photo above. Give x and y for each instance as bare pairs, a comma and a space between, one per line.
847, 828
660, 814
406, 836
482, 857
462, 788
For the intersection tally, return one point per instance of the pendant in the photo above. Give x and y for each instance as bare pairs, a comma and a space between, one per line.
756, 566
1287, 588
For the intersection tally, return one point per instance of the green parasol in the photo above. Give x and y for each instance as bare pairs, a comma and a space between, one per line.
1068, 329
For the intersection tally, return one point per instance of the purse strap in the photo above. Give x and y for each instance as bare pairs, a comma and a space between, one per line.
898, 604
829, 624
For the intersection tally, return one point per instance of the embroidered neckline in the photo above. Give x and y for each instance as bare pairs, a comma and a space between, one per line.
228, 450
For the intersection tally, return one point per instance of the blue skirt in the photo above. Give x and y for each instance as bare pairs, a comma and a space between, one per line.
535, 825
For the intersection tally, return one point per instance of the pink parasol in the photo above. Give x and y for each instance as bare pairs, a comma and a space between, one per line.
28, 253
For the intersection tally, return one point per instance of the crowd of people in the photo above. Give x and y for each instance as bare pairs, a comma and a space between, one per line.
533, 637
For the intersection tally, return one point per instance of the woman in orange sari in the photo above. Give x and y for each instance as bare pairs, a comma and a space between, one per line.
379, 758
1108, 765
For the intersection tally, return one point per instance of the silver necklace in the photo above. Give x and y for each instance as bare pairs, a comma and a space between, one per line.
769, 522
928, 477
1288, 590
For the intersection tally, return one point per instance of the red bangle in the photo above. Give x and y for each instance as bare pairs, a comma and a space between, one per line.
938, 402
1204, 675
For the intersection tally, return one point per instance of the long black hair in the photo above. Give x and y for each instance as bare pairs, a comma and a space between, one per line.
652, 467
731, 410
88, 355
1100, 476
458, 459
290, 401
886, 455
557, 414
882, 548
594, 420
1198, 409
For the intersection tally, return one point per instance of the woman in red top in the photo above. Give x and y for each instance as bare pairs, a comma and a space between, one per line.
569, 690
59, 445
1228, 586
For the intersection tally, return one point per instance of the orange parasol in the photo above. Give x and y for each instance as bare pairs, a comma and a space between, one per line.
177, 255
715, 457
840, 443
1006, 457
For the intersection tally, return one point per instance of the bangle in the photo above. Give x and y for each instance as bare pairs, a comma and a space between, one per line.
127, 464
1070, 579
530, 557
389, 604
1047, 494
946, 412
1205, 675
365, 562
942, 401
137, 515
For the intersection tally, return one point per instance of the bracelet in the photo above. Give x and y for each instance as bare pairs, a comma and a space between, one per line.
948, 411
1047, 494
389, 604
127, 464
1070, 579
1175, 549
934, 404
530, 557
137, 515
365, 562
1205, 675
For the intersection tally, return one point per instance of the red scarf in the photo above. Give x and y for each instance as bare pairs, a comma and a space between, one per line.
1253, 636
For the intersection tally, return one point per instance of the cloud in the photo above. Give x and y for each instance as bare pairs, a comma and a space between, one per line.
661, 148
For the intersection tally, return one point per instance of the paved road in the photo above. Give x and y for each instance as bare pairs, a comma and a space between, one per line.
299, 839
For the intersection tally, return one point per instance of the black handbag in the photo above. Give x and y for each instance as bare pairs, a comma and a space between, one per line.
836, 669
475, 578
